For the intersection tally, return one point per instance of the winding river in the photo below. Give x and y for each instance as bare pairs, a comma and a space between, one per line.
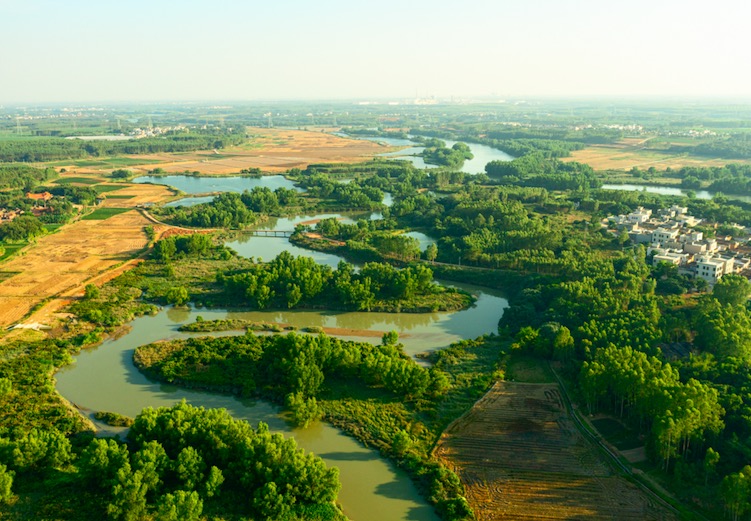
105, 379
483, 154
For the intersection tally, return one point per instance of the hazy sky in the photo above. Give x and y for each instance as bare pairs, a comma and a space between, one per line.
102, 50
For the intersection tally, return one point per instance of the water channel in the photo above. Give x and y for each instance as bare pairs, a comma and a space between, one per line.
105, 379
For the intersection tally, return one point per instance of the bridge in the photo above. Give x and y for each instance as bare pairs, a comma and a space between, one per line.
272, 233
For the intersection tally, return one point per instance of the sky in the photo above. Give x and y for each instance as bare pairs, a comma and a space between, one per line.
244, 50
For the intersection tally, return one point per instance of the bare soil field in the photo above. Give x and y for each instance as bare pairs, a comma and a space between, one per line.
630, 152
56, 267
520, 457
271, 150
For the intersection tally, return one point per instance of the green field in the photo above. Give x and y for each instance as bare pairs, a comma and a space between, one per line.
79, 180
11, 249
116, 196
101, 214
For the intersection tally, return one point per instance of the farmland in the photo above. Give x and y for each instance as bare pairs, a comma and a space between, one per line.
632, 152
271, 150
520, 456
54, 269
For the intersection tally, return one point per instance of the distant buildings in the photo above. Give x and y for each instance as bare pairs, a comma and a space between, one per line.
670, 237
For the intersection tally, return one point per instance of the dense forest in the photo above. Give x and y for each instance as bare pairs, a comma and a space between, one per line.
35, 150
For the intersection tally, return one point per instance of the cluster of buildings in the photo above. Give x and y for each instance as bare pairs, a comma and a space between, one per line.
139, 133
40, 206
671, 237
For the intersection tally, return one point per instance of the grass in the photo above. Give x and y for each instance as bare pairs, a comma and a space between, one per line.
617, 434
115, 196
79, 180
11, 249
521, 368
52, 227
101, 214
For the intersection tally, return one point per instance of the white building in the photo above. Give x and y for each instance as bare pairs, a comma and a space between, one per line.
712, 269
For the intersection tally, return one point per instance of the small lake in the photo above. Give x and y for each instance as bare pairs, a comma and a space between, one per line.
672, 190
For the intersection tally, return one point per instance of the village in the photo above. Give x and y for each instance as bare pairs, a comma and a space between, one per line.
671, 236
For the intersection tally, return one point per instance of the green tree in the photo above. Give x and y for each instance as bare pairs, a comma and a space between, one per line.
6, 484
213, 482
180, 506
6, 386
91, 292
177, 296
128, 496
431, 252
401, 443
390, 338
736, 493
190, 467
732, 289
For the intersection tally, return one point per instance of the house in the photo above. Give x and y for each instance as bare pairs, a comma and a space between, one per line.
712, 269
44, 196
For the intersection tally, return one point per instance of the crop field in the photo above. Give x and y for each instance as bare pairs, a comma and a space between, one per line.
631, 152
55, 268
271, 150
103, 213
520, 457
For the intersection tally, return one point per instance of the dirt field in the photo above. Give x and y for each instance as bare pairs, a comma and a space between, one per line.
58, 266
520, 457
271, 150
630, 152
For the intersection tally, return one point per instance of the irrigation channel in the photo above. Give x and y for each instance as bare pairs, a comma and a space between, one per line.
105, 379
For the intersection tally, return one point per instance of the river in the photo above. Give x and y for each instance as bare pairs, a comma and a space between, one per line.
105, 379
191, 184
483, 154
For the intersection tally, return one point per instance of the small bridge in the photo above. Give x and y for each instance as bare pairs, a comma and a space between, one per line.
272, 233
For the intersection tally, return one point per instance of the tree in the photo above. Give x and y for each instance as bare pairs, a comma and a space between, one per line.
6, 484
180, 506
101, 461
401, 443
736, 492
213, 482
91, 292
128, 496
390, 338
6, 386
190, 467
177, 296
732, 289
431, 252
711, 458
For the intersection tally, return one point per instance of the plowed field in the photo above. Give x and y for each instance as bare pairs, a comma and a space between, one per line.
58, 266
520, 457
271, 150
